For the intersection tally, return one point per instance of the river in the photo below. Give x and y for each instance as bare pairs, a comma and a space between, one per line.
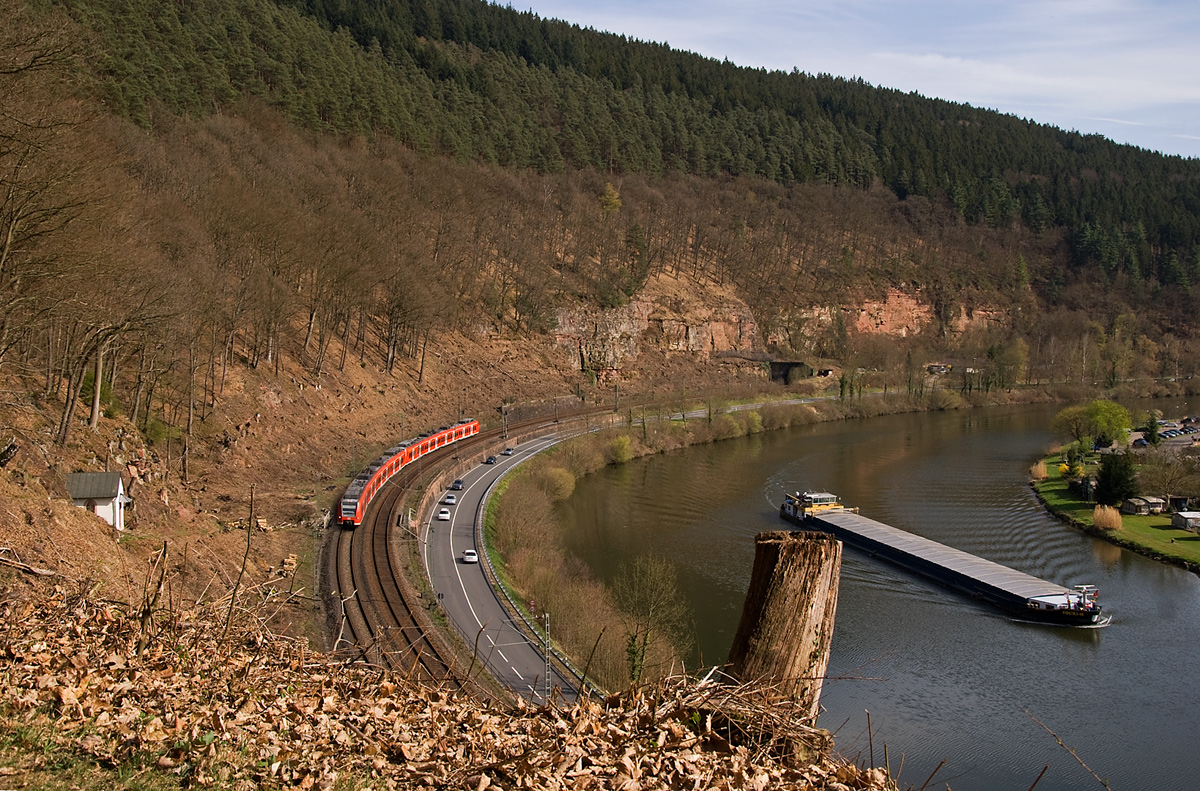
944, 679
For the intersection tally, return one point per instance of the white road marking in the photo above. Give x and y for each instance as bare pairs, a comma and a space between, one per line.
458, 567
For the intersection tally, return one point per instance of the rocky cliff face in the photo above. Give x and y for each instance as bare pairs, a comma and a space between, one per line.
679, 317
669, 316
899, 315
902, 314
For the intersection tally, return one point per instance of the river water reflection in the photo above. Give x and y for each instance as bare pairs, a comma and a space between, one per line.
942, 677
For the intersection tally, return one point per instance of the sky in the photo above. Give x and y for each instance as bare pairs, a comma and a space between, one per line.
1125, 69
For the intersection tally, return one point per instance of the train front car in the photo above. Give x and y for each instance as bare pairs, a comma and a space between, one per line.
350, 509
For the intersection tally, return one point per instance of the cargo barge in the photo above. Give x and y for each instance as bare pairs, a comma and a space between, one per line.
1017, 594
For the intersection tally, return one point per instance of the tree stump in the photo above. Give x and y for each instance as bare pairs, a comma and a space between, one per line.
787, 622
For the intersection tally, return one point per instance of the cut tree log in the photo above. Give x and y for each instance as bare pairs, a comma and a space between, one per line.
787, 621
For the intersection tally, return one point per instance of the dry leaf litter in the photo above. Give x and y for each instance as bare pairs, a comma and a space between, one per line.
125, 687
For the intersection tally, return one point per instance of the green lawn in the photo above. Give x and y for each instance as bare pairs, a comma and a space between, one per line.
1150, 535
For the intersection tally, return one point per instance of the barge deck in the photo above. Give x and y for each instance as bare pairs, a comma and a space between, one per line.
1021, 595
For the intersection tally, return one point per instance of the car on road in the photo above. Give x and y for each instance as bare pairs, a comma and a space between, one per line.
444, 515
490, 460
457, 485
507, 452
450, 500
469, 556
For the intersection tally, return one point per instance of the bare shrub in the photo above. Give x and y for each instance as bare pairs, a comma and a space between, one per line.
1038, 471
775, 417
697, 433
584, 620
725, 427
524, 518
945, 399
655, 615
787, 415
662, 437
1105, 517
619, 450
557, 482
579, 457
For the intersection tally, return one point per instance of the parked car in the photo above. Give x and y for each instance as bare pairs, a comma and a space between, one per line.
444, 515
457, 485
469, 556
507, 452
450, 500
490, 460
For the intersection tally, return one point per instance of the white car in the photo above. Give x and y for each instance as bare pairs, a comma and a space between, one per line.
444, 515
469, 556
450, 500
507, 452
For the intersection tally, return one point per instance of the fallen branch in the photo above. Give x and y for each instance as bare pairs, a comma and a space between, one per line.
1074, 755
24, 566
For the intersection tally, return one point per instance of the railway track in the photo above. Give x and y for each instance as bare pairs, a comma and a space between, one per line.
379, 620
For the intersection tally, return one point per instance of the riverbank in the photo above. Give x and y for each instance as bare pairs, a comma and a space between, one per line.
1151, 535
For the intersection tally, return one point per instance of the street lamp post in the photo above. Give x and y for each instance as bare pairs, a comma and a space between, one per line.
546, 683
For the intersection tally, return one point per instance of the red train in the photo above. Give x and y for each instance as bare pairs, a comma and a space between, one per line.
368, 483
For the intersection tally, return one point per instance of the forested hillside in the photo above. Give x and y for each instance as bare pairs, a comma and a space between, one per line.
471, 80
264, 184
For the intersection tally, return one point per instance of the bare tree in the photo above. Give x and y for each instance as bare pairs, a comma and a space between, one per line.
647, 593
40, 169
1169, 474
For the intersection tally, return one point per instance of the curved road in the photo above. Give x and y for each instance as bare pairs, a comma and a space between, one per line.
467, 597
465, 593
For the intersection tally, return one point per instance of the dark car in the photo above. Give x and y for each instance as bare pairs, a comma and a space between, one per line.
490, 460
457, 485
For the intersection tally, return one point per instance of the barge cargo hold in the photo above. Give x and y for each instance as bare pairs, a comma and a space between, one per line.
1018, 594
